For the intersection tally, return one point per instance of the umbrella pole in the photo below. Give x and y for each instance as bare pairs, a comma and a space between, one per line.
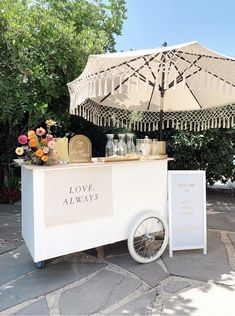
161, 114
162, 92
160, 125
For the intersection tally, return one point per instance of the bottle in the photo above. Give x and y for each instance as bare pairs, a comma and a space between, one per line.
122, 148
130, 144
115, 147
139, 143
109, 148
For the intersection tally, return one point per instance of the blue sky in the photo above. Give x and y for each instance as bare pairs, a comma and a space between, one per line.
151, 22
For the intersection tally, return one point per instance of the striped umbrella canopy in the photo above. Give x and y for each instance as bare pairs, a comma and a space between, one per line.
185, 86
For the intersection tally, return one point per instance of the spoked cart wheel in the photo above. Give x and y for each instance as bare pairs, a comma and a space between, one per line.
148, 238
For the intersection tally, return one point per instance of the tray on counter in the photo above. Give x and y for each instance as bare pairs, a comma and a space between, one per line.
128, 158
154, 157
117, 158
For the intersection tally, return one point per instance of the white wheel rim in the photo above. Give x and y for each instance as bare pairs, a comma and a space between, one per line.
149, 238
133, 242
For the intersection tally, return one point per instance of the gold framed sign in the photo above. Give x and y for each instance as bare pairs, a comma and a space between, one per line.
61, 149
80, 149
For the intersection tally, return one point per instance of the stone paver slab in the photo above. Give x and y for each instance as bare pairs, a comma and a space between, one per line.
175, 285
232, 238
10, 208
37, 308
209, 300
14, 264
143, 305
6, 247
10, 231
220, 201
40, 282
101, 291
10, 218
12, 235
221, 221
194, 265
152, 273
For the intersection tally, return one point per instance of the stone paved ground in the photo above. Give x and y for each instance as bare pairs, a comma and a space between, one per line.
112, 283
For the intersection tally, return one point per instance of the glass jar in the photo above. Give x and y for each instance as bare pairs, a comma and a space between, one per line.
162, 147
122, 148
146, 146
130, 143
158, 147
155, 147
109, 148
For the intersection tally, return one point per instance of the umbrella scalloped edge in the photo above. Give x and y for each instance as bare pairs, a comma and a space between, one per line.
220, 117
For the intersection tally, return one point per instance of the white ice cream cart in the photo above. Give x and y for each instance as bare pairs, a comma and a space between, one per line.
78, 206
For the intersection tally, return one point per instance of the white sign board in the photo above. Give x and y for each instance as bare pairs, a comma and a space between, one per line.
187, 210
77, 195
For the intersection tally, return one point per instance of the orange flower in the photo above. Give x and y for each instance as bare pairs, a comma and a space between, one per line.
39, 152
44, 141
33, 142
31, 134
44, 158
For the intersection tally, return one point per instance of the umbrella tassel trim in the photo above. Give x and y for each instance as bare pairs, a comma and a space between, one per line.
120, 85
184, 81
112, 87
147, 121
137, 82
105, 86
100, 87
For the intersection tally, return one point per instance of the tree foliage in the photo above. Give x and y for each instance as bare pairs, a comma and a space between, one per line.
43, 46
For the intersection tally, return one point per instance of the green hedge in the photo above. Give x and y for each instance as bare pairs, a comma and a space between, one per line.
212, 150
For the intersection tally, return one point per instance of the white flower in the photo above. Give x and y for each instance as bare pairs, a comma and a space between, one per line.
46, 150
50, 123
19, 151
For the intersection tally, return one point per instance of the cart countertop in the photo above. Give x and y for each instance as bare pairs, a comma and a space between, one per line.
93, 163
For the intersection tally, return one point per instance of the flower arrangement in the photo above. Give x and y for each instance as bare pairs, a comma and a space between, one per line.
37, 146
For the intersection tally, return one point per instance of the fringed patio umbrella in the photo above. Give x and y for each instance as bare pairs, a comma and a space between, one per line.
185, 87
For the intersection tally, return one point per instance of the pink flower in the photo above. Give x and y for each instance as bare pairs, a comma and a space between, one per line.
49, 137
40, 131
51, 144
23, 139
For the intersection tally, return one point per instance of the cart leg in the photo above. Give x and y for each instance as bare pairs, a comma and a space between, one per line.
40, 264
100, 252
